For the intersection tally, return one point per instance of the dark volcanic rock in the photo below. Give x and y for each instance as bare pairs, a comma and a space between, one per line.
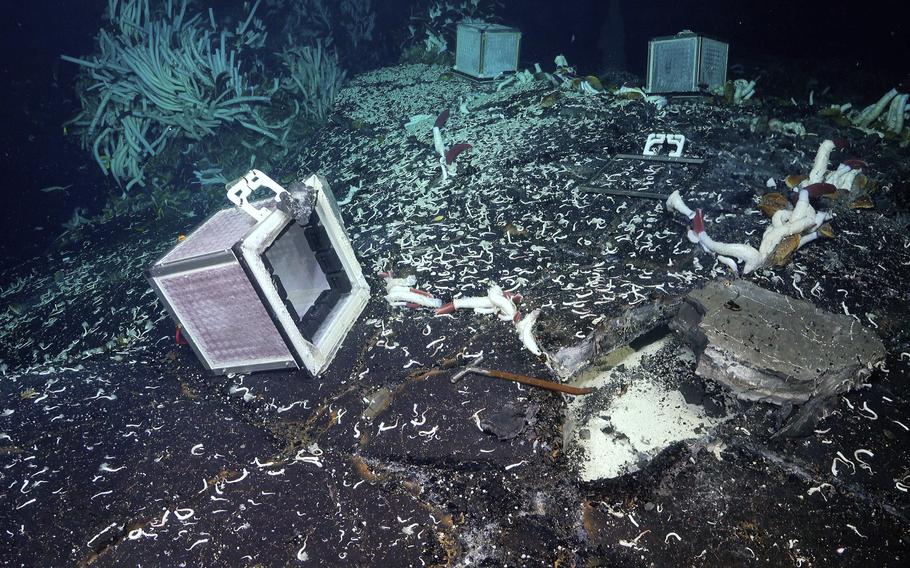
766, 346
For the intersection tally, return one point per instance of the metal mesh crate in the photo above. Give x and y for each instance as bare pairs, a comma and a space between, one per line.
254, 288
484, 51
686, 63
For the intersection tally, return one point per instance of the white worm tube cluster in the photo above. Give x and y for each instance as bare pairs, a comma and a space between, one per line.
784, 223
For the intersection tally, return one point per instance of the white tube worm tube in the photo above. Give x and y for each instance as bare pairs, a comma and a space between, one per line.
525, 330
505, 306
745, 253
675, 203
438, 143
472, 303
820, 166
401, 294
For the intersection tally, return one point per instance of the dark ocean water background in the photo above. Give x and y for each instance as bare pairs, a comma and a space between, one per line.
860, 46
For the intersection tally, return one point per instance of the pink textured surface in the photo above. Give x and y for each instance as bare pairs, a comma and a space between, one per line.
219, 233
223, 315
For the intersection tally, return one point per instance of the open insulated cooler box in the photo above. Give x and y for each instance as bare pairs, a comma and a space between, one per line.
271, 284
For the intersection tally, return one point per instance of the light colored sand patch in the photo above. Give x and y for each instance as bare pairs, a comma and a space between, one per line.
635, 425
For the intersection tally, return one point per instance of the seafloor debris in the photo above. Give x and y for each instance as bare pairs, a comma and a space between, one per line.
769, 347
638, 411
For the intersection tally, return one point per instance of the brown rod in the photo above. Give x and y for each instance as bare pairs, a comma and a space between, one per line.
540, 383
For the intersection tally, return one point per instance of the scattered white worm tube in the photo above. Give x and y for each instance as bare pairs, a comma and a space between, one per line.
525, 329
863, 464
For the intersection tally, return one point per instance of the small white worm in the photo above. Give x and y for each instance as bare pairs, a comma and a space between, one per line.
872, 414
863, 464
241, 478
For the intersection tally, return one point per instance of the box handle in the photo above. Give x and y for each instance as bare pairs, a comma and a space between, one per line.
239, 192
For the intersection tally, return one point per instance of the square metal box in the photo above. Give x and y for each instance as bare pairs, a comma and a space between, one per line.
484, 51
254, 289
686, 63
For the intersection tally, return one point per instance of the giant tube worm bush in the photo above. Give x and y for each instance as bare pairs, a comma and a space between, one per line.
159, 75
314, 75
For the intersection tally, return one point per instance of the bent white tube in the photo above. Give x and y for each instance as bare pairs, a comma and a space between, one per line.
873, 111
780, 217
482, 302
806, 239
802, 208
774, 235
438, 143
745, 253
820, 166
525, 330
401, 294
505, 306
729, 263
820, 218
675, 203
396, 282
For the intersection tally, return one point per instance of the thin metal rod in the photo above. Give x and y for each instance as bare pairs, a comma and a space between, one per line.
665, 159
623, 192
523, 379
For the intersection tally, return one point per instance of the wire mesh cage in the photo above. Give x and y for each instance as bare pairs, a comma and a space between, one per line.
484, 51
686, 63
255, 288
